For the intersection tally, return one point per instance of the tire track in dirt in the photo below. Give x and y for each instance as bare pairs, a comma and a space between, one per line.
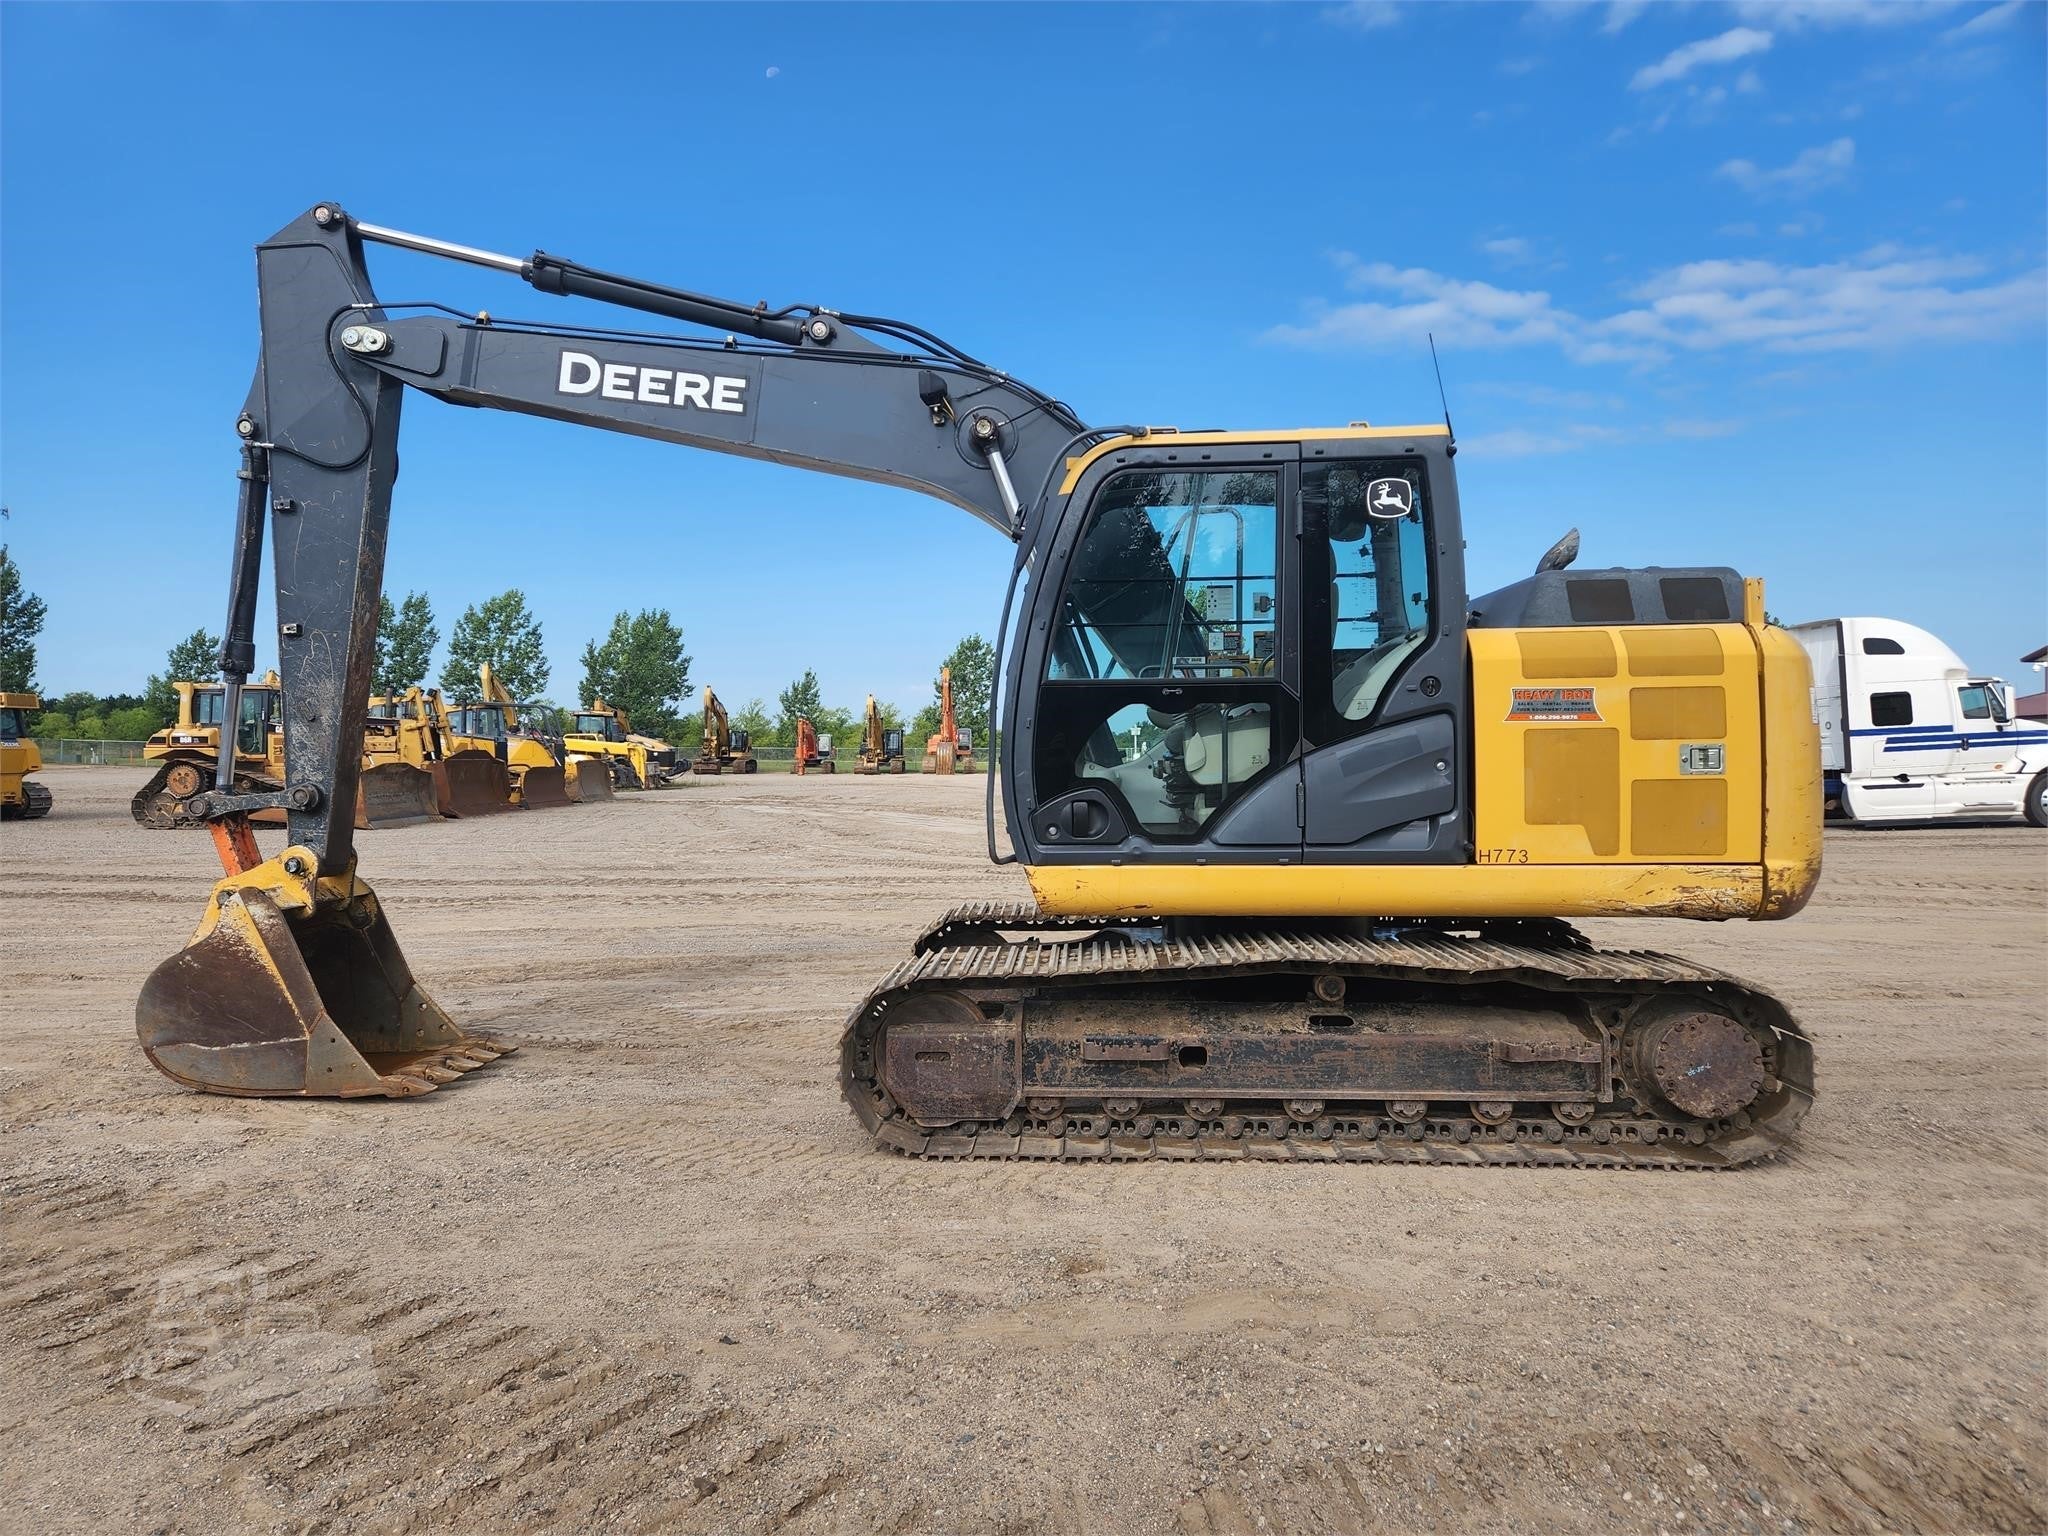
354, 1406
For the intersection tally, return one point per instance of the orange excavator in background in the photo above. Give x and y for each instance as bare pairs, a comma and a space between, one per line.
950, 750
812, 750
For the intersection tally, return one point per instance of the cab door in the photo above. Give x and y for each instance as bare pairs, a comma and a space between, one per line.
1163, 660
1383, 668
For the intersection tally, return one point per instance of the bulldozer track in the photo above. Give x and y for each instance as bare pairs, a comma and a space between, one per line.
158, 811
1055, 956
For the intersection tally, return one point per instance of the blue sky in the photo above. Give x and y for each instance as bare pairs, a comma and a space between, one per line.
1756, 284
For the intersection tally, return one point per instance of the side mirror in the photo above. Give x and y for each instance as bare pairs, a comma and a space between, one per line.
2000, 710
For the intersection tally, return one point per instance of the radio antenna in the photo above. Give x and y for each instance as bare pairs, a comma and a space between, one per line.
1441, 396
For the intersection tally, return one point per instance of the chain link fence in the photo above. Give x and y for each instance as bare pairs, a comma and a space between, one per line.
70, 749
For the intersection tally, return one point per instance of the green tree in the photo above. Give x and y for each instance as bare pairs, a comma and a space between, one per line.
504, 632
406, 637
973, 662
194, 659
801, 697
137, 723
752, 717
643, 669
21, 621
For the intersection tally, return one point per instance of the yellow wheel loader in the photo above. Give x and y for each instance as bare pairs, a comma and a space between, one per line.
1305, 823
466, 781
21, 798
725, 748
600, 730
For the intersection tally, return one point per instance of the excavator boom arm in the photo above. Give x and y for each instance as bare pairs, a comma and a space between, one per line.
871, 399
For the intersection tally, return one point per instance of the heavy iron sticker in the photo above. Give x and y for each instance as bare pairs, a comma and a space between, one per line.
1553, 704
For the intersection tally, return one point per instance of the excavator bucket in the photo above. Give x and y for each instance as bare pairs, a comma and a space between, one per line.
396, 795
540, 788
473, 784
297, 987
590, 779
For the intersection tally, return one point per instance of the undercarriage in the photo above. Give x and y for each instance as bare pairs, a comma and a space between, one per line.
1013, 1035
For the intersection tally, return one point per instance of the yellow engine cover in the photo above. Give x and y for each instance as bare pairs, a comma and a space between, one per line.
1636, 745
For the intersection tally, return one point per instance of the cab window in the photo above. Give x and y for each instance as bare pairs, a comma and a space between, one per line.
11, 728
1366, 537
1976, 701
1174, 578
1160, 682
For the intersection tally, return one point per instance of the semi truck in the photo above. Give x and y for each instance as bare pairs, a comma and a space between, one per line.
1908, 733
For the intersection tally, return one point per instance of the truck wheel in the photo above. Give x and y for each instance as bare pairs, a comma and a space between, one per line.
2036, 803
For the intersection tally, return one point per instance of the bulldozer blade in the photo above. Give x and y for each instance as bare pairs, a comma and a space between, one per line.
396, 795
590, 780
540, 788
320, 1006
478, 785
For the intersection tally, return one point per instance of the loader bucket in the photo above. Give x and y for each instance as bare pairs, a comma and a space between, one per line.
396, 795
590, 780
540, 788
478, 785
309, 1006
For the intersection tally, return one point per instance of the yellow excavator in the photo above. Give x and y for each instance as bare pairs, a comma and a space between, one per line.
725, 748
637, 762
881, 749
21, 798
1304, 822
948, 749
413, 728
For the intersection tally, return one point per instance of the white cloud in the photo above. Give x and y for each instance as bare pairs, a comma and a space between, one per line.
1885, 298
1794, 15
1517, 67
1992, 20
774, 70
1364, 15
1749, 82
1742, 231
1810, 170
1551, 398
1569, 436
1458, 312
1620, 13
1735, 43
1509, 249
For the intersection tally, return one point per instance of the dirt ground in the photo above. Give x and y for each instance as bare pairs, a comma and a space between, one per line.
648, 1274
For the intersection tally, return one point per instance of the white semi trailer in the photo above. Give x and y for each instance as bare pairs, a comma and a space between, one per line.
1908, 733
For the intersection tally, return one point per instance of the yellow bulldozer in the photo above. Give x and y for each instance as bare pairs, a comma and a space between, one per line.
393, 790
726, 748
186, 752
602, 731
21, 798
412, 728
541, 774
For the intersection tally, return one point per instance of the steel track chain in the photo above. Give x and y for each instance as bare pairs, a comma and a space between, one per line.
965, 947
